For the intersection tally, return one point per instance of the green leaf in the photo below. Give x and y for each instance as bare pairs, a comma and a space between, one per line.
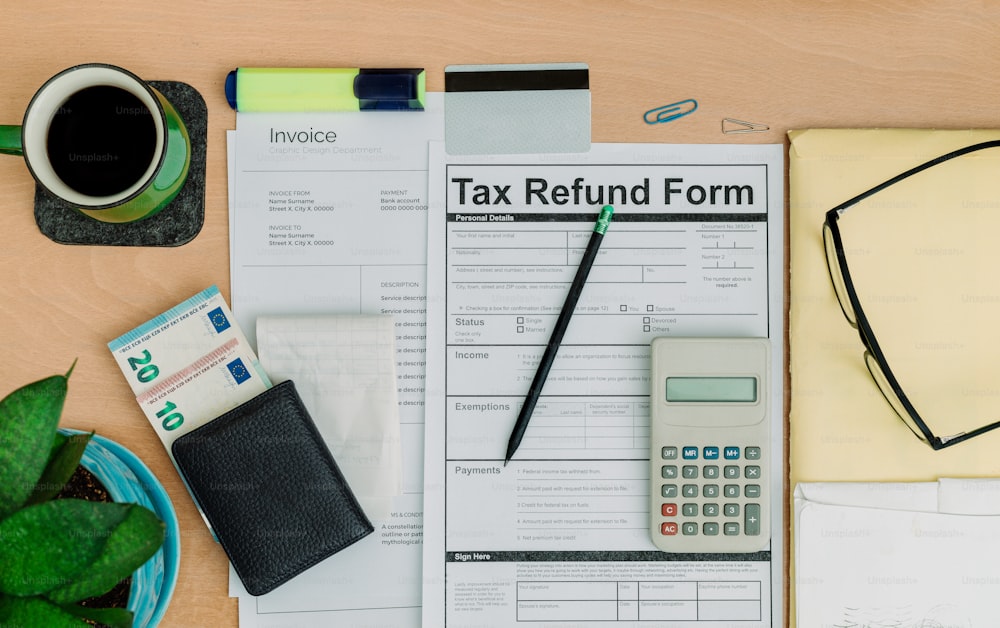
49, 545
58, 442
60, 469
130, 545
113, 617
29, 417
36, 611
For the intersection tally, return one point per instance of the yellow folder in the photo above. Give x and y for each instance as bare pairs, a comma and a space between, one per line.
925, 257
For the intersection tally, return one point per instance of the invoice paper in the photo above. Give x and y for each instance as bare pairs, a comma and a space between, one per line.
328, 216
560, 536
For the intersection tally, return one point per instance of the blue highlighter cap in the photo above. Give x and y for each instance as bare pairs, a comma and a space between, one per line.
231, 88
389, 90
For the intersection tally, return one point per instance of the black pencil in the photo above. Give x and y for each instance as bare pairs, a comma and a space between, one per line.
575, 289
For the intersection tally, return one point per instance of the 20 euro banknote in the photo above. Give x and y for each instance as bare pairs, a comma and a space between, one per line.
189, 365
173, 340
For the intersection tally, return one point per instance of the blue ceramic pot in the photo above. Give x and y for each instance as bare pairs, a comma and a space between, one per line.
128, 480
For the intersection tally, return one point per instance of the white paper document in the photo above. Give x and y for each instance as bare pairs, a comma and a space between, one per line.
560, 536
907, 555
328, 216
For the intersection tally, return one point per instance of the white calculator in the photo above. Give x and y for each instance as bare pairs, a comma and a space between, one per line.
710, 433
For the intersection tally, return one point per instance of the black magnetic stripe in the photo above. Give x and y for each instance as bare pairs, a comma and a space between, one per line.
508, 80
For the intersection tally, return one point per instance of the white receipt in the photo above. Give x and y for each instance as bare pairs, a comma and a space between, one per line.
344, 368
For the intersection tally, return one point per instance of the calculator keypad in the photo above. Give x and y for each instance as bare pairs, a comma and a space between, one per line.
711, 491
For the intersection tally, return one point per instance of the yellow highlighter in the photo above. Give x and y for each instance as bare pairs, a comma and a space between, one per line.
326, 89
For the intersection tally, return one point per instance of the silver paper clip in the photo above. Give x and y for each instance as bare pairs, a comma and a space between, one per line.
732, 125
674, 110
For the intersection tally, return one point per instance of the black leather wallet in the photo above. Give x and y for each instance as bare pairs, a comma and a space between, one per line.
270, 489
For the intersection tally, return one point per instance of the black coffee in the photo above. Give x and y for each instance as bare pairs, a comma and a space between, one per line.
101, 140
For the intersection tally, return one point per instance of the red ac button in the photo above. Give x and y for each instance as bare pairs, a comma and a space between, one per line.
668, 529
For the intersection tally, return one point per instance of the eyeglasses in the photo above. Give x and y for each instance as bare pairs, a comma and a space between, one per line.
843, 286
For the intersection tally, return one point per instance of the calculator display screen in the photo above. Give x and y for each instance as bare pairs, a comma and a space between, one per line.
712, 389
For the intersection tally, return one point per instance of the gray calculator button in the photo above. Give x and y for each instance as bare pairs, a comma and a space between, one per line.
690, 472
752, 472
668, 490
710, 491
752, 453
731, 529
731, 510
751, 519
751, 491
668, 471
710, 472
689, 529
731, 472
689, 510
689, 490
668, 453
731, 491
710, 510
710, 529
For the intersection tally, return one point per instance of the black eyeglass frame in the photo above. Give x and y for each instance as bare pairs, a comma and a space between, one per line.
861, 321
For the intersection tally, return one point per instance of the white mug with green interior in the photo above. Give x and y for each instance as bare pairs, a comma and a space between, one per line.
103, 141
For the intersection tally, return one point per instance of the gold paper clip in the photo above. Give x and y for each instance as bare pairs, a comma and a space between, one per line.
741, 126
674, 110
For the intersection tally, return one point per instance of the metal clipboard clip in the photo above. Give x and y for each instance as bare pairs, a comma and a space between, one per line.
674, 110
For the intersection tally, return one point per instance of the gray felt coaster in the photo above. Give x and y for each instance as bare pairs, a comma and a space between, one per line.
176, 224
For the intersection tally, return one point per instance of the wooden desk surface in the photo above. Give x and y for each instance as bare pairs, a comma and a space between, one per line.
783, 63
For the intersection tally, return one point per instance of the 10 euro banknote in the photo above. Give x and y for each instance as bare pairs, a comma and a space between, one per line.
189, 365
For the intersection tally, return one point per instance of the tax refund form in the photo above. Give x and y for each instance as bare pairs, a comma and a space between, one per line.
560, 536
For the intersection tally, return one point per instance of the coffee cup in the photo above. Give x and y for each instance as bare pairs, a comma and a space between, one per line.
104, 142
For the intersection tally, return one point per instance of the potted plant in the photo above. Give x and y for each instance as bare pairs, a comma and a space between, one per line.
58, 554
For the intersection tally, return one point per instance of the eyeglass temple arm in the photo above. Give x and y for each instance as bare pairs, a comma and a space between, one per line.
954, 439
965, 150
